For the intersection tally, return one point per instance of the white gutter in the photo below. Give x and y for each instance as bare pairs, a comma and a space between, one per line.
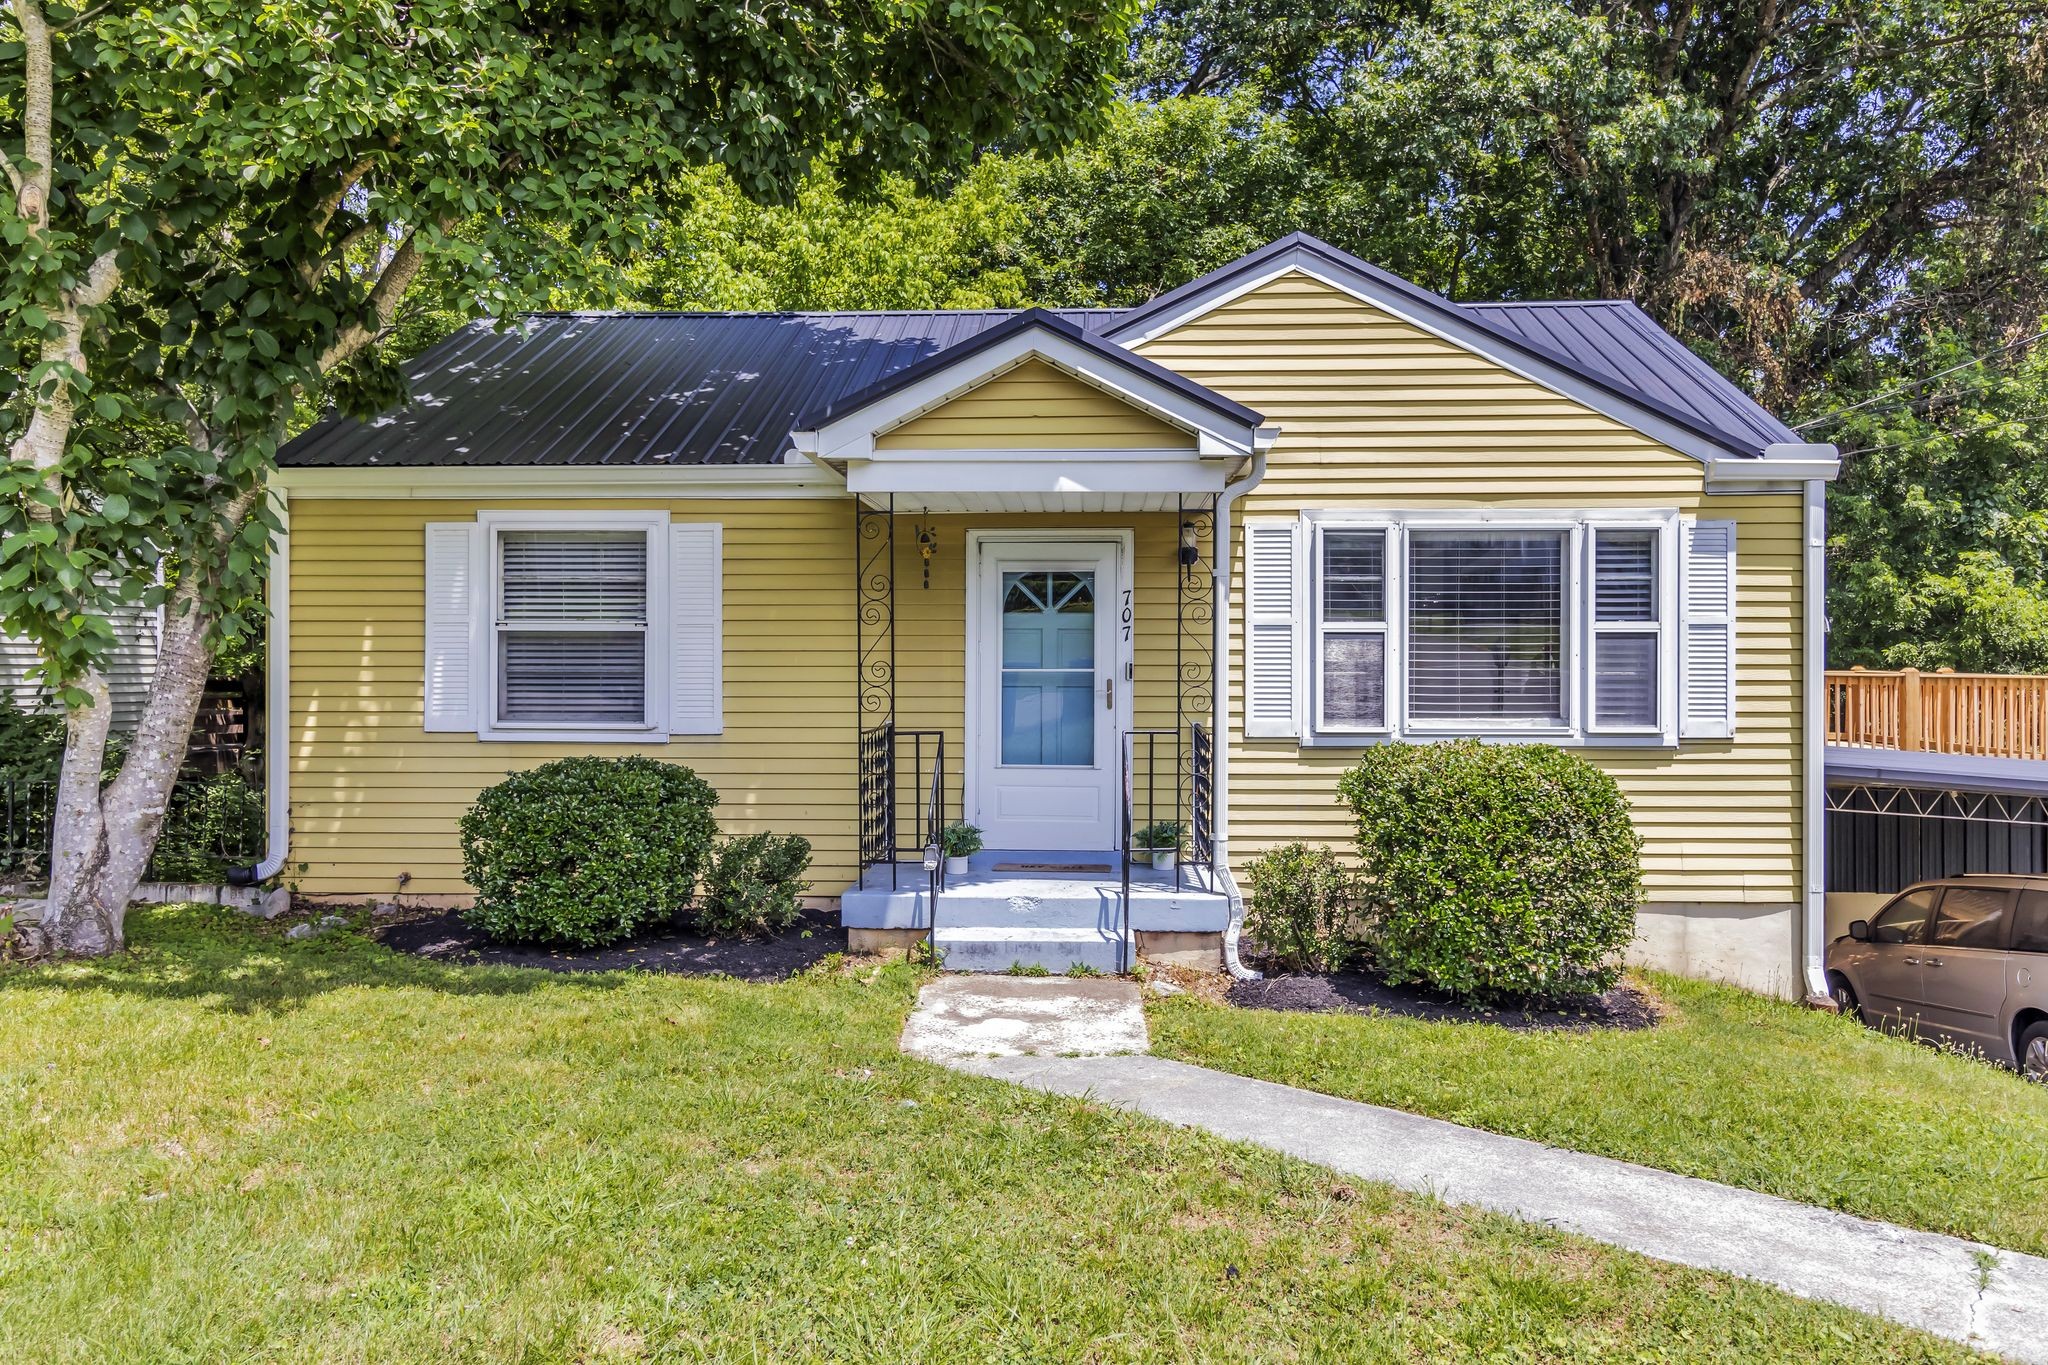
1813, 730
1219, 773
277, 701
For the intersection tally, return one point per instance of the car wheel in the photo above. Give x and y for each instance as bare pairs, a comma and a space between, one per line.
2034, 1053
1844, 996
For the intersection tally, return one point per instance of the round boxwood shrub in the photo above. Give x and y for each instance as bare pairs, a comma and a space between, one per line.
1303, 909
586, 851
1495, 870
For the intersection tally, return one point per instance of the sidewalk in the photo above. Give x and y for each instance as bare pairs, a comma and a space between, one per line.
1984, 1297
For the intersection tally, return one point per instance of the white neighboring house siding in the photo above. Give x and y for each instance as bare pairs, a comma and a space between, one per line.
131, 668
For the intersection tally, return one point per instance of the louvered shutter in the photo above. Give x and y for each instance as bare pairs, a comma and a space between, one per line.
696, 631
1272, 670
1707, 631
453, 598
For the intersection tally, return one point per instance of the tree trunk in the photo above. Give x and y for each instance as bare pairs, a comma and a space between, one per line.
104, 839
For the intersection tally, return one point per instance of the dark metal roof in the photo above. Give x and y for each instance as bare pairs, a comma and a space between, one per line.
636, 388
1042, 319
1622, 342
588, 389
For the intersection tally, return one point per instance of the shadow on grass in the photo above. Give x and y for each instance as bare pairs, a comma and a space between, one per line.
240, 965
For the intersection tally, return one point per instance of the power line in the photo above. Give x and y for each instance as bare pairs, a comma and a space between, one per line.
1949, 431
1971, 363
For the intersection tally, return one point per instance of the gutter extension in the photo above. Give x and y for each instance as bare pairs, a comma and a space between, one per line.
276, 708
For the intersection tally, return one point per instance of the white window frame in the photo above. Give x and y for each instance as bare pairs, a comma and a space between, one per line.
653, 726
1392, 580
1576, 528
1664, 563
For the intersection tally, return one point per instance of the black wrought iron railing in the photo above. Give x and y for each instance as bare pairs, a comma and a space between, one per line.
216, 822
1168, 804
898, 769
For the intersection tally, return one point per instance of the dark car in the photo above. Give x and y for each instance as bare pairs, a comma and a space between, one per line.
1963, 958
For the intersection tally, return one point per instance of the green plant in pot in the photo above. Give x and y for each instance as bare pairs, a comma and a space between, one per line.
1161, 840
959, 841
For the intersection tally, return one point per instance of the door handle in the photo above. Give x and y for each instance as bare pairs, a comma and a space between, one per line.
1109, 694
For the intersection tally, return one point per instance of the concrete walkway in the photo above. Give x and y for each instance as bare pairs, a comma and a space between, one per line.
1991, 1299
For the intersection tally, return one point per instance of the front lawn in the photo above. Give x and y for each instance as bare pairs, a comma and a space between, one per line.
230, 1147
1731, 1086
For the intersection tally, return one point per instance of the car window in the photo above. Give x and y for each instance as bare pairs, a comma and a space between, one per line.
1972, 917
2030, 923
1904, 918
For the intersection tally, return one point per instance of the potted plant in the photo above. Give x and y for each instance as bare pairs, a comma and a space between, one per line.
1161, 839
958, 841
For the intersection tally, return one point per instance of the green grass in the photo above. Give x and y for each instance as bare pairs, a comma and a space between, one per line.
225, 1146
1732, 1087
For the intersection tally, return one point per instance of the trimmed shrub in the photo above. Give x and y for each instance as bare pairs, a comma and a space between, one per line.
1495, 870
754, 884
1304, 909
586, 851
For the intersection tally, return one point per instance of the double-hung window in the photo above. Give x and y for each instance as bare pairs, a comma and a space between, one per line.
1351, 630
571, 631
1564, 625
574, 626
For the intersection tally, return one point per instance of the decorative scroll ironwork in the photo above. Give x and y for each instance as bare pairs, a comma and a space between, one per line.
1194, 664
874, 607
1927, 803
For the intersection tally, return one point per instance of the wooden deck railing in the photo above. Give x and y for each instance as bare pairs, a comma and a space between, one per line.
1997, 715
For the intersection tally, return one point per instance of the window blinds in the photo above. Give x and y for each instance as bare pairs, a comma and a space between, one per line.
1486, 626
572, 627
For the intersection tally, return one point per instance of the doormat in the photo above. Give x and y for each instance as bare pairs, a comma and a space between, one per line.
1103, 868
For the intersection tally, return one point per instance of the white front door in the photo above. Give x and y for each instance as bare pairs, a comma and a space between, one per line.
1045, 681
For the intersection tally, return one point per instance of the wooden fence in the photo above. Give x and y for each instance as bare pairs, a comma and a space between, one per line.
1997, 715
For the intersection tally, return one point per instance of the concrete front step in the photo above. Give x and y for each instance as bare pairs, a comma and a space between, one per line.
969, 948
1084, 899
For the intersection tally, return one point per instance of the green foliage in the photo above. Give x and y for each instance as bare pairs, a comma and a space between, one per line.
1304, 911
31, 744
1938, 528
960, 840
264, 225
586, 851
213, 824
754, 885
1160, 835
1495, 871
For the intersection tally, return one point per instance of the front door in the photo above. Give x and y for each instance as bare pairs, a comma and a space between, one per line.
1962, 968
1044, 693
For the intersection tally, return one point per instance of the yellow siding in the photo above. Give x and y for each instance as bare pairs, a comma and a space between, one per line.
374, 797
1036, 406
1375, 413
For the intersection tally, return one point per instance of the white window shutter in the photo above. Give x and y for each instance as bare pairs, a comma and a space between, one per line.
1706, 677
455, 598
1271, 652
696, 604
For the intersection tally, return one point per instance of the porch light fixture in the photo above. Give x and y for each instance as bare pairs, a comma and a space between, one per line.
1190, 553
927, 546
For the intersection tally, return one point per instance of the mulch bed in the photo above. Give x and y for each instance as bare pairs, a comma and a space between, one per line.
1627, 1006
444, 937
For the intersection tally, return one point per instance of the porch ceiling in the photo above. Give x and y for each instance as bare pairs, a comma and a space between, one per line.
956, 503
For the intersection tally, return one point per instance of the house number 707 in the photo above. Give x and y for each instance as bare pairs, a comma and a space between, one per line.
1127, 615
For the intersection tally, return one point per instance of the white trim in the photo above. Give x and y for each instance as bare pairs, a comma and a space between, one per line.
851, 435
1447, 327
1738, 474
656, 660
975, 665
277, 693
563, 481
1575, 526
1813, 733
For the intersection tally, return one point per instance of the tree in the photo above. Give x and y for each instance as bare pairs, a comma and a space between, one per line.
216, 209
1938, 540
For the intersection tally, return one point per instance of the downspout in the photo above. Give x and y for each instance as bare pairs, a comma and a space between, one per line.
277, 700
1219, 777
1813, 731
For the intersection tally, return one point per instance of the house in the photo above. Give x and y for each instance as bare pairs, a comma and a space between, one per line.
130, 667
1064, 573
